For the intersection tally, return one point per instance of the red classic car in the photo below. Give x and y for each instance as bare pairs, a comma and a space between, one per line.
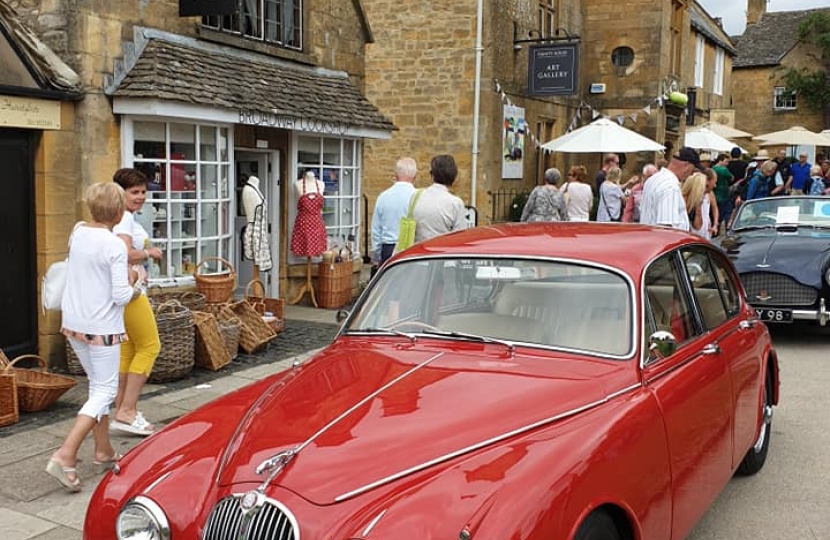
520, 381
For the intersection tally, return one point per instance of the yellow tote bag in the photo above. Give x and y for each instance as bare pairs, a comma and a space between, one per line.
406, 231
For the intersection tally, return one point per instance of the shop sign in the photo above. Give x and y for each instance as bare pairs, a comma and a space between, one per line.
553, 70
29, 113
252, 117
194, 8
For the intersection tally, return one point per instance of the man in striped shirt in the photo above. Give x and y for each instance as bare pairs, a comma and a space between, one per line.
662, 202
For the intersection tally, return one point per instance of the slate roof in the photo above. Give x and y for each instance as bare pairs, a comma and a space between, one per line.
766, 42
703, 23
241, 80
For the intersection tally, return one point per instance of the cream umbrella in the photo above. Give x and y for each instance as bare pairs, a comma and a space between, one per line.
703, 138
794, 136
726, 131
603, 136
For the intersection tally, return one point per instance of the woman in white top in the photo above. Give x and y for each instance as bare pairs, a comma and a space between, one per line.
578, 195
611, 196
138, 354
98, 287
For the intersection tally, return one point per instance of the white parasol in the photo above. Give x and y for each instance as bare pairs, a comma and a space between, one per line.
603, 136
704, 138
725, 131
794, 136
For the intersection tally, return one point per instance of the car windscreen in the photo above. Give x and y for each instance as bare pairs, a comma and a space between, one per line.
532, 302
777, 212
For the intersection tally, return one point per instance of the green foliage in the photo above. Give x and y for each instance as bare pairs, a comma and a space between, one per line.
517, 206
813, 85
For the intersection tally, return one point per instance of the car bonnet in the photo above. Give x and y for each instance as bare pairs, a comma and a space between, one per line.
360, 417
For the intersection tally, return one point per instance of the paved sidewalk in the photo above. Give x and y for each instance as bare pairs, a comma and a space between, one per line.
34, 507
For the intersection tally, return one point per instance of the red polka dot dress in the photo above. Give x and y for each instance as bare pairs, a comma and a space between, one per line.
308, 239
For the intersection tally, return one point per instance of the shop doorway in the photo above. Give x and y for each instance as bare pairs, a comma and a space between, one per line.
264, 165
18, 272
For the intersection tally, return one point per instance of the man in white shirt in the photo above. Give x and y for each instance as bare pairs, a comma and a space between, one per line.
391, 206
662, 202
438, 211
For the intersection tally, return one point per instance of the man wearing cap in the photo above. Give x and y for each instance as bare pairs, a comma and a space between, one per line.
662, 202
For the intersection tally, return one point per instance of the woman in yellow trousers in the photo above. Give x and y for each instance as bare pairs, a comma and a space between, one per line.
139, 353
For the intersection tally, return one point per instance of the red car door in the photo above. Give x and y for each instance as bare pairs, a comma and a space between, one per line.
694, 390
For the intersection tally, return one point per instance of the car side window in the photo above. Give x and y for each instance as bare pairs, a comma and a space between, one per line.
729, 287
705, 287
667, 306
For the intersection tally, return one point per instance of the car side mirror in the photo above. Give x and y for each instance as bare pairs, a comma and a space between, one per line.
342, 315
661, 344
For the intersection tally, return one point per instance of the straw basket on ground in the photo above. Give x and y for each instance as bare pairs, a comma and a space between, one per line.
210, 347
230, 327
272, 309
255, 333
190, 298
334, 280
178, 340
9, 410
216, 286
36, 390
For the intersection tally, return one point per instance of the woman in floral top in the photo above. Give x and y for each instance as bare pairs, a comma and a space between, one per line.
546, 202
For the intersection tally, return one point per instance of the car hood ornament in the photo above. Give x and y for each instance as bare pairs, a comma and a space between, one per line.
763, 296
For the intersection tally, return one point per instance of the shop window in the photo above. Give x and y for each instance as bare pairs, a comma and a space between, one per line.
335, 161
274, 21
784, 100
622, 56
188, 208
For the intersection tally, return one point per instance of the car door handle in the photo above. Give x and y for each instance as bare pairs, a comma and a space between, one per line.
748, 324
712, 348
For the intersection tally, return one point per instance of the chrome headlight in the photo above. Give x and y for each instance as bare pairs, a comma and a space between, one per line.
142, 519
827, 276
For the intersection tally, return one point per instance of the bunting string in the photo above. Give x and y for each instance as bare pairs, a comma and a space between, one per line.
590, 110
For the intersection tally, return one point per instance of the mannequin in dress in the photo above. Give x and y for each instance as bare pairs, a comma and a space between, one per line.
255, 242
309, 183
308, 239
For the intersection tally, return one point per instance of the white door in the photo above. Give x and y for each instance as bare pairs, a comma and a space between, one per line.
265, 166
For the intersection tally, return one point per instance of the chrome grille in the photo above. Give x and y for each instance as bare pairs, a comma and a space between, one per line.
783, 290
268, 520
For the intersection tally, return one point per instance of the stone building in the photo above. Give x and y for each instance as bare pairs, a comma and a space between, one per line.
422, 72
768, 47
197, 99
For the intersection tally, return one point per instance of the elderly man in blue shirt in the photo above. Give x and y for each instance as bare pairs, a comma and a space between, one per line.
391, 206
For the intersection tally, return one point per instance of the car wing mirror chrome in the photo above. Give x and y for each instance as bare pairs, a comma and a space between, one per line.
661, 344
342, 315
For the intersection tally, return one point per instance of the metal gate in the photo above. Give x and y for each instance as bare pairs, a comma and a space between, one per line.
18, 274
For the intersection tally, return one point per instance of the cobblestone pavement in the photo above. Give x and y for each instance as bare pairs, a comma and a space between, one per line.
297, 338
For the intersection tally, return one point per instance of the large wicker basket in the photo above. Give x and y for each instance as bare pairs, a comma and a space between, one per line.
271, 308
210, 347
178, 341
9, 410
230, 327
255, 333
36, 390
190, 298
217, 287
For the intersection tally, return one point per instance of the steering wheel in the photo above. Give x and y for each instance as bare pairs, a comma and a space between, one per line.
765, 219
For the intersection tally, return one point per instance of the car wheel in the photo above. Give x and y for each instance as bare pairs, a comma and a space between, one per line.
598, 526
757, 455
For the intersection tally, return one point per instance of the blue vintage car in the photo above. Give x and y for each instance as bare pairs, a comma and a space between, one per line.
781, 249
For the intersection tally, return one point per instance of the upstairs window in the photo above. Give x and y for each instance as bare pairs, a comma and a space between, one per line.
700, 51
784, 100
548, 17
272, 21
717, 87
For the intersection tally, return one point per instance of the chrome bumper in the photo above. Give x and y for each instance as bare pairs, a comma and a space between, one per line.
821, 315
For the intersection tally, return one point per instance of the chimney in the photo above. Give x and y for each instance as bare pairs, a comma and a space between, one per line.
719, 22
755, 9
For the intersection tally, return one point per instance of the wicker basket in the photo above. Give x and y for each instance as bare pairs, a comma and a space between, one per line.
178, 340
230, 327
334, 283
73, 365
191, 299
36, 390
254, 333
210, 347
9, 410
264, 305
217, 287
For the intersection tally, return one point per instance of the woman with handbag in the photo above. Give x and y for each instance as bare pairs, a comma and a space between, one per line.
611, 197
139, 354
98, 286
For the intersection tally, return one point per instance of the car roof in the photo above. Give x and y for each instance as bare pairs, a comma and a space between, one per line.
626, 246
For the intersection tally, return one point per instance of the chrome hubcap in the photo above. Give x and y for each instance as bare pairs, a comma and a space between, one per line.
767, 412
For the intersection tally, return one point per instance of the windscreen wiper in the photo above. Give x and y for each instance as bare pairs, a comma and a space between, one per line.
374, 330
511, 347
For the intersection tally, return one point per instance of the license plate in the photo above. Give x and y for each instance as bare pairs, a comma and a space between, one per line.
774, 315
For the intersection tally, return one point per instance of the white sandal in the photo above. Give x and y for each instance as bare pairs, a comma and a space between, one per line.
139, 426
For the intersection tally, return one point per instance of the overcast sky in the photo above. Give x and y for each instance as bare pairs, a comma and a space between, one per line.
733, 12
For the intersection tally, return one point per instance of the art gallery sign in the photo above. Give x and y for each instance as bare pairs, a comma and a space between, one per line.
553, 69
